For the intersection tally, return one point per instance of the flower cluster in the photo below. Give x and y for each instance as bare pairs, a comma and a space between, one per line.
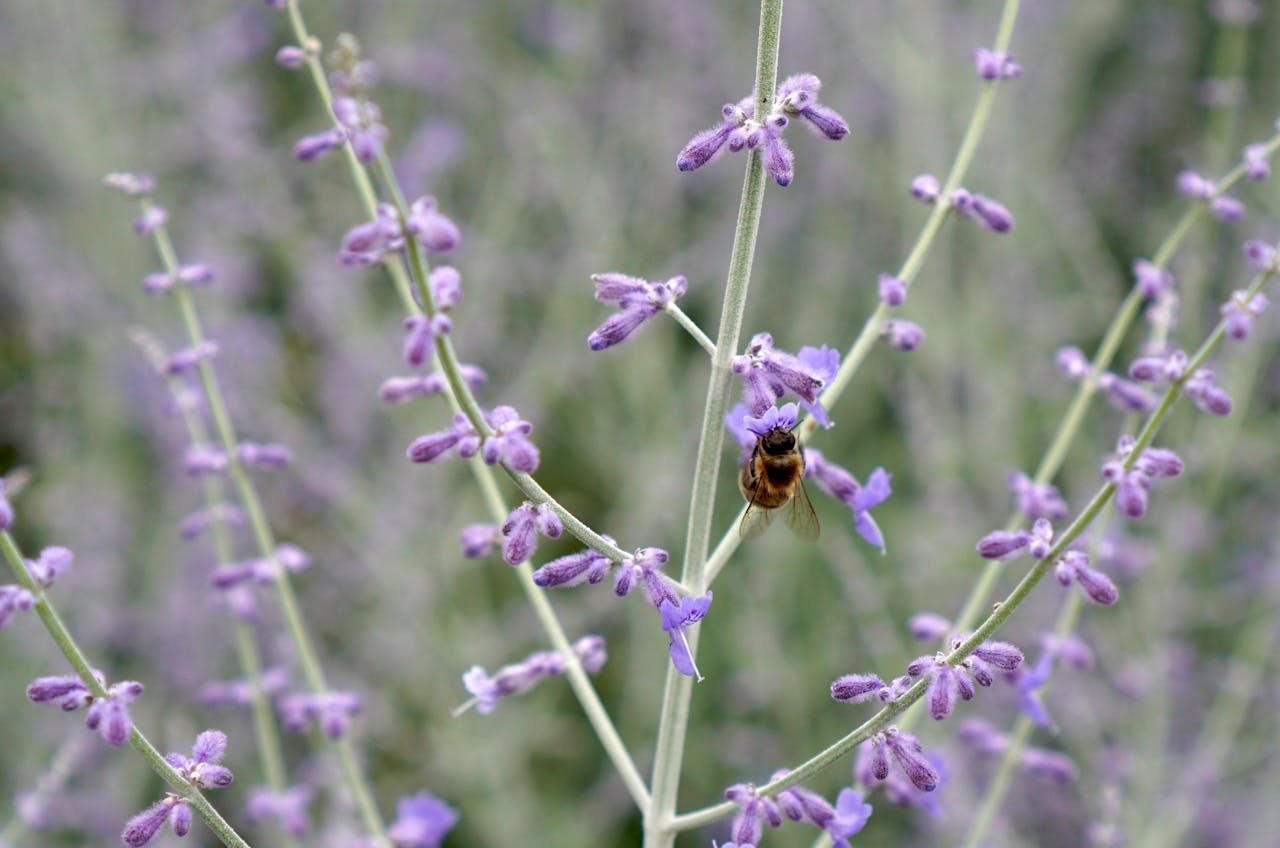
262, 570
839, 822
900, 749
946, 681
43, 570
422, 821
982, 210
1201, 386
769, 373
740, 127
1240, 312
1133, 484
520, 677
367, 243
1036, 761
108, 715
402, 389
508, 443
330, 711
1222, 206
288, 807
196, 274
637, 301
523, 527
995, 64
202, 770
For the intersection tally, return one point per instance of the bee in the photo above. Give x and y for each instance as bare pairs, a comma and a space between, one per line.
771, 479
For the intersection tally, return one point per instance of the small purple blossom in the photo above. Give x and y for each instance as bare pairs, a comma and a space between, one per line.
365, 244
902, 335
422, 821
1195, 186
13, 600
288, 807
109, 715
1072, 362
433, 446
1256, 166
638, 300
6, 509
1133, 484
188, 359
151, 219
1073, 566
994, 65
264, 455
478, 539
904, 751
240, 693
849, 815
1003, 544
1260, 255
797, 96
202, 770
1239, 313
291, 56
675, 618
520, 677
927, 626
587, 566
263, 570
983, 210
130, 185
1152, 280
430, 227
311, 147
753, 811
1226, 208
362, 120
645, 566
330, 711
523, 527
768, 374
893, 290
856, 688
844, 487
947, 681
403, 389
1037, 500
509, 443
202, 519
1203, 389
925, 188
1126, 396
51, 563
420, 334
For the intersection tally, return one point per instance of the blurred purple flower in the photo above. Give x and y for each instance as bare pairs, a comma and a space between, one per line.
434, 230
902, 335
874, 758
422, 821
109, 716
645, 566
925, 188
1037, 500
420, 333
288, 807
849, 815
893, 290
993, 65
1256, 165
1239, 313
989, 213
520, 677
638, 301
330, 711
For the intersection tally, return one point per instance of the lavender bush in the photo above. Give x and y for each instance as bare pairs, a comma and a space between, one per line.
321, 467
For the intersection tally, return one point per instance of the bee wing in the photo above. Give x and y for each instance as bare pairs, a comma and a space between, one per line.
801, 518
756, 519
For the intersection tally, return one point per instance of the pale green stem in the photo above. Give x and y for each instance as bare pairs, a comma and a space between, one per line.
67, 644
999, 615
247, 493
674, 716
910, 269
693, 329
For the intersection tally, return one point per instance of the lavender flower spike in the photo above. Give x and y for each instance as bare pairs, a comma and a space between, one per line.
675, 618
202, 770
422, 821
331, 711
109, 716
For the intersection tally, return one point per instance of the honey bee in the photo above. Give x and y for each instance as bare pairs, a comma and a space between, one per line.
771, 479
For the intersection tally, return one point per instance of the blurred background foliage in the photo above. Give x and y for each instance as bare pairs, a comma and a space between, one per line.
548, 130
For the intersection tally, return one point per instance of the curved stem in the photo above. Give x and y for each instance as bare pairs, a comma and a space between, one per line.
79, 662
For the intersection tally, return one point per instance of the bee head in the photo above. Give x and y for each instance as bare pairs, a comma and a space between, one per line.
778, 441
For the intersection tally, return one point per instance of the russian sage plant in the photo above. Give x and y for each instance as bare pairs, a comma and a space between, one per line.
334, 498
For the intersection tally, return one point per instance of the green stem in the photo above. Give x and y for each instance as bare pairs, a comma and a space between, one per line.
693, 329
71, 650
674, 716
1003, 610
251, 501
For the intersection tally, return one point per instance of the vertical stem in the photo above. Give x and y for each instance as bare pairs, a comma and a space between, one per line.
673, 722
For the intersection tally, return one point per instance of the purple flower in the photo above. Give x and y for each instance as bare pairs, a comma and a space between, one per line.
709, 144
1239, 312
445, 282
844, 487
240, 693
1037, 500
51, 563
422, 821
902, 335
201, 770
420, 334
775, 155
798, 96
675, 618
433, 446
645, 566
331, 711
1151, 279
946, 681
109, 716
264, 571
823, 363
262, 455
1003, 544
1073, 566
288, 807
768, 374
434, 231
874, 760
152, 219
927, 626
1226, 208
14, 599
131, 185
520, 677
509, 443
773, 418
1132, 485
478, 539
1126, 396
753, 811
291, 56
994, 65
585, 566
362, 119
989, 213
638, 301
849, 815
893, 290
1260, 255
856, 688
188, 359
522, 528
402, 389
1203, 389
1072, 362
925, 188
311, 147
197, 522
1029, 683
1193, 185
365, 244
1256, 166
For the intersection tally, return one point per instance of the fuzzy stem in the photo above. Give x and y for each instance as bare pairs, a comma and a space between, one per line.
71, 650
674, 716
246, 490
693, 329
1003, 610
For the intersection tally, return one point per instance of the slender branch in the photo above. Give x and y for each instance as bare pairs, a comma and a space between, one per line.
247, 492
79, 662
